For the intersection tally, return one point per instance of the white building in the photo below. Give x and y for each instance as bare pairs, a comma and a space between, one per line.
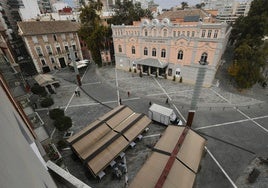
230, 12
30, 10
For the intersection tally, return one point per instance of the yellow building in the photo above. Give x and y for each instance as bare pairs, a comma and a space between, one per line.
174, 45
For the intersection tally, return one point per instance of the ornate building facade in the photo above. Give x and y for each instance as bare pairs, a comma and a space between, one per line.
173, 47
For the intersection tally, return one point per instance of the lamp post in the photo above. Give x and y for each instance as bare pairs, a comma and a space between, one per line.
75, 66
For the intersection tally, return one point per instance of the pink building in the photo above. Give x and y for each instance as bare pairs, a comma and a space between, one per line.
174, 45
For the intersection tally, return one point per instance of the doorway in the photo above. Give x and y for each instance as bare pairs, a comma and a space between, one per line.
62, 62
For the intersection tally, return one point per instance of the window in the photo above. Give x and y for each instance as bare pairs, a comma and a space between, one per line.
188, 33
119, 48
71, 35
169, 72
216, 33
174, 33
55, 37
203, 33
145, 33
154, 52
49, 51
145, 52
39, 51
52, 60
209, 33
44, 38
58, 49
165, 32
63, 36
74, 47
43, 62
183, 32
154, 31
193, 33
203, 59
177, 73
163, 53
34, 38
66, 48
133, 50
180, 54
179, 33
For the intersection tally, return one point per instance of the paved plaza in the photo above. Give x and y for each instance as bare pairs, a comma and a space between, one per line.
234, 124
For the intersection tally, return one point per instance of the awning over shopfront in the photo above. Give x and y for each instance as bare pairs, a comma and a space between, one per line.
151, 62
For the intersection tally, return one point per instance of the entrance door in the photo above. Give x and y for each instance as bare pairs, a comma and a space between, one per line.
62, 62
46, 69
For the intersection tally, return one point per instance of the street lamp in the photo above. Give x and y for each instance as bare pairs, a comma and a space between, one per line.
75, 66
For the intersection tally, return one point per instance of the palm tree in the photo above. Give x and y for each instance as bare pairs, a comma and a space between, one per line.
184, 5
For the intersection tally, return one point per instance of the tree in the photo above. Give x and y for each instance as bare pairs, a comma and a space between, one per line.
184, 5
250, 54
199, 6
63, 123
55, 113
47, 102
92, 30
126, 12
39, 90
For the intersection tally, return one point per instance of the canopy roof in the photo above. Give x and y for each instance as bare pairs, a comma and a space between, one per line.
99, 143
183, 170
151, 62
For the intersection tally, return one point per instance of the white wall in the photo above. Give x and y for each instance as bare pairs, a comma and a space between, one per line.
30, 10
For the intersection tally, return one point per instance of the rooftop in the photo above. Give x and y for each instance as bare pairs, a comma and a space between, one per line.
47, 27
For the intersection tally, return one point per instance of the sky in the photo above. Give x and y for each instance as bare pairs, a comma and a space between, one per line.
171, 3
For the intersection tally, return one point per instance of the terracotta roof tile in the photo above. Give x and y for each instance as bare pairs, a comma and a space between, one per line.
181, 14
47, 27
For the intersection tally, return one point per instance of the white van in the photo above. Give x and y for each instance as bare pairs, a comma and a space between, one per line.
163, 115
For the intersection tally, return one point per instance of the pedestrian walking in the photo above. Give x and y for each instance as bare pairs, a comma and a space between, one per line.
128, 93
75, 92
150, 103
167, 101
120, 101
78, 93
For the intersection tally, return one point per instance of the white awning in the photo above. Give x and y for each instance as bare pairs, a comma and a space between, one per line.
45, 79
151, 62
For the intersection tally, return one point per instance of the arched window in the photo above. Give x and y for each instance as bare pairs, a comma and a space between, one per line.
119, 48
133, 49
164, 32
154, 52
145, 52
180, 54
203, 59
145, 32
154, 32
163, 53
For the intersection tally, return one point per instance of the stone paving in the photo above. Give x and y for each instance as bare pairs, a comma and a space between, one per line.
85, 109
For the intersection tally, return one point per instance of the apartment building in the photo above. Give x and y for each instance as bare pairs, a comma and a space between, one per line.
230, 12
173, 46
48, 43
